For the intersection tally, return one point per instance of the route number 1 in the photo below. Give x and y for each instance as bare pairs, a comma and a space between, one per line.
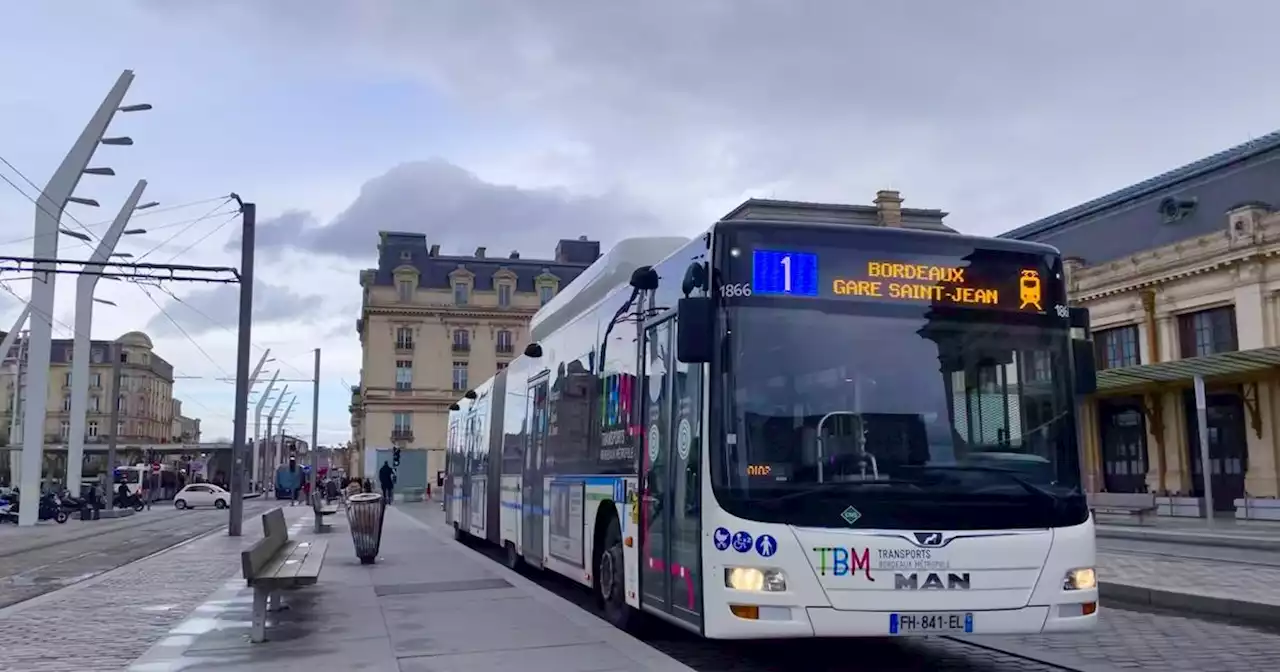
786, 273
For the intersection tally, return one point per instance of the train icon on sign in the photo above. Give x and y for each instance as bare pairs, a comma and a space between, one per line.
1029, 289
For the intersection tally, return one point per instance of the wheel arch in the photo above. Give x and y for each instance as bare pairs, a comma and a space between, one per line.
605, 513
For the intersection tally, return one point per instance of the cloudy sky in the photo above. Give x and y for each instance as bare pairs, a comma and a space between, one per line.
511, 123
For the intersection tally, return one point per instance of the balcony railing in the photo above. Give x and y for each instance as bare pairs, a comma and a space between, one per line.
402, 435
404, 346
462, 347
504, 348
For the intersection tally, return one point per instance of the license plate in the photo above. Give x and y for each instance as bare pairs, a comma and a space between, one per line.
930, 623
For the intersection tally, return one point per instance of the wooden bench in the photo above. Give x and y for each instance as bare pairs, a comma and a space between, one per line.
274, 564
1136, 504
321, 509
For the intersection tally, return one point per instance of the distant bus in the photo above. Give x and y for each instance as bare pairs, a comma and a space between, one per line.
134, 477
788, 429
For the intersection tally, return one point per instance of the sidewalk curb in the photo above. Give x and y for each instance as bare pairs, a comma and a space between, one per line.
642, 654
1205, 605
1190, 537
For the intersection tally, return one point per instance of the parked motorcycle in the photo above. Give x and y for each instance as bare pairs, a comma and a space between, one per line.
50, 508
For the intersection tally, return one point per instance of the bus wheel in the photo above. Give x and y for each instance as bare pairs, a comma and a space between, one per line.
611, 578
513, 556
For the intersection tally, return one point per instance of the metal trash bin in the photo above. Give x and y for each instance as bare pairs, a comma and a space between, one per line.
365, 513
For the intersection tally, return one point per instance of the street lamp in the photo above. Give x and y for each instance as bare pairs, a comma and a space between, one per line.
86, 283
261, 457
257, 426
51, 203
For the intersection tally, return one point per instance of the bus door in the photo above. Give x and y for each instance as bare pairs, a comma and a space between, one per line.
534, 506
670, 553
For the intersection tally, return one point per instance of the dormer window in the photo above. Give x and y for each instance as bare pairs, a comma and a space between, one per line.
406, 256
548, 284
504, 283
461, 293
406, 283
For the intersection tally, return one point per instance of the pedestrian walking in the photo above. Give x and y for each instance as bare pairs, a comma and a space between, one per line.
387, 479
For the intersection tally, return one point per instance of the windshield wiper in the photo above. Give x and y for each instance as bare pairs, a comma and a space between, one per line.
1012, 476
807, 489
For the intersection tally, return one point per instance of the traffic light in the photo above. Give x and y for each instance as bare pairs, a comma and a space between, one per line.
395, 456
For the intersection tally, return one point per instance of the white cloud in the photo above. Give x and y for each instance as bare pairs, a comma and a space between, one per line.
511, 123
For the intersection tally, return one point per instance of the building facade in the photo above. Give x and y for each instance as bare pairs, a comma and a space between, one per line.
431, 327
145, 398
185, 429
1181, 274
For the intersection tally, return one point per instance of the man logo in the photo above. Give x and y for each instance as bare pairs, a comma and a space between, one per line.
929, 538
931, 581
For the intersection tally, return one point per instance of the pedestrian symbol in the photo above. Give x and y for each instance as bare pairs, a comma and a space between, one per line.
766, 546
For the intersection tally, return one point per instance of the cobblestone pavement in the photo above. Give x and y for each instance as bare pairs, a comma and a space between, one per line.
1193, 576
107, 622
1227, 554
55, 563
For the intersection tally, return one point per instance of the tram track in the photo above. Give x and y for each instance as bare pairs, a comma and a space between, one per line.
934, 654
54, 565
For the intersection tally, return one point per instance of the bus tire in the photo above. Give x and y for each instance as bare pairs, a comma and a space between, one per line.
513, 559
611, 578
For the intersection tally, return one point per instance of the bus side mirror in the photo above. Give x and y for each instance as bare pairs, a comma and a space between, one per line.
1086, 370
693, 330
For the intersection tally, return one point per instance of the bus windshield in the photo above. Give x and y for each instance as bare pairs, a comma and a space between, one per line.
894, 415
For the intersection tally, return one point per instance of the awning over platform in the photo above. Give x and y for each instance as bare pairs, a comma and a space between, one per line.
1220, 367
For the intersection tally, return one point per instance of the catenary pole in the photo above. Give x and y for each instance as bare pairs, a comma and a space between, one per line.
248, 216
86, 283
50, 204
315, 435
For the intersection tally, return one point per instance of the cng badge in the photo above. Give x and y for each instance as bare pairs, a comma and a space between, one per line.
850, 515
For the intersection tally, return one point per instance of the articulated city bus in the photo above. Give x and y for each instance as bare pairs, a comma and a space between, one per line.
785, 429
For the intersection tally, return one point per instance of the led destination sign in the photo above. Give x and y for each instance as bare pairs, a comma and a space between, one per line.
984, 279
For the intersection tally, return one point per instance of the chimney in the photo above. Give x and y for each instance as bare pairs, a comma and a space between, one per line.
515, 254
434, 251
889, 208
480, 252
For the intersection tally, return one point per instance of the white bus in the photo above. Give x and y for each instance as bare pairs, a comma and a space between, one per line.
786, 429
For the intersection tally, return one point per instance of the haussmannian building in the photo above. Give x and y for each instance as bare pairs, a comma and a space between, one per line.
1181, 274
432, 326
145, 397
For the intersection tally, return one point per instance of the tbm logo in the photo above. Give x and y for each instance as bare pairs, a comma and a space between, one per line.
931, 582
839, 561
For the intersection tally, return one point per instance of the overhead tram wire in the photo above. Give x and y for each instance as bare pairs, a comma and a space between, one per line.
186, 228
219, 325
40, 203
231, 218
193, 342
136, 215
71, 332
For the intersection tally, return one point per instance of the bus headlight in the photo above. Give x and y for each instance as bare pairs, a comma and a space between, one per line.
755, 579
1080, 579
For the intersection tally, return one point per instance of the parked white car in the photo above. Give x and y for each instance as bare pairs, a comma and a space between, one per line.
202, 494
